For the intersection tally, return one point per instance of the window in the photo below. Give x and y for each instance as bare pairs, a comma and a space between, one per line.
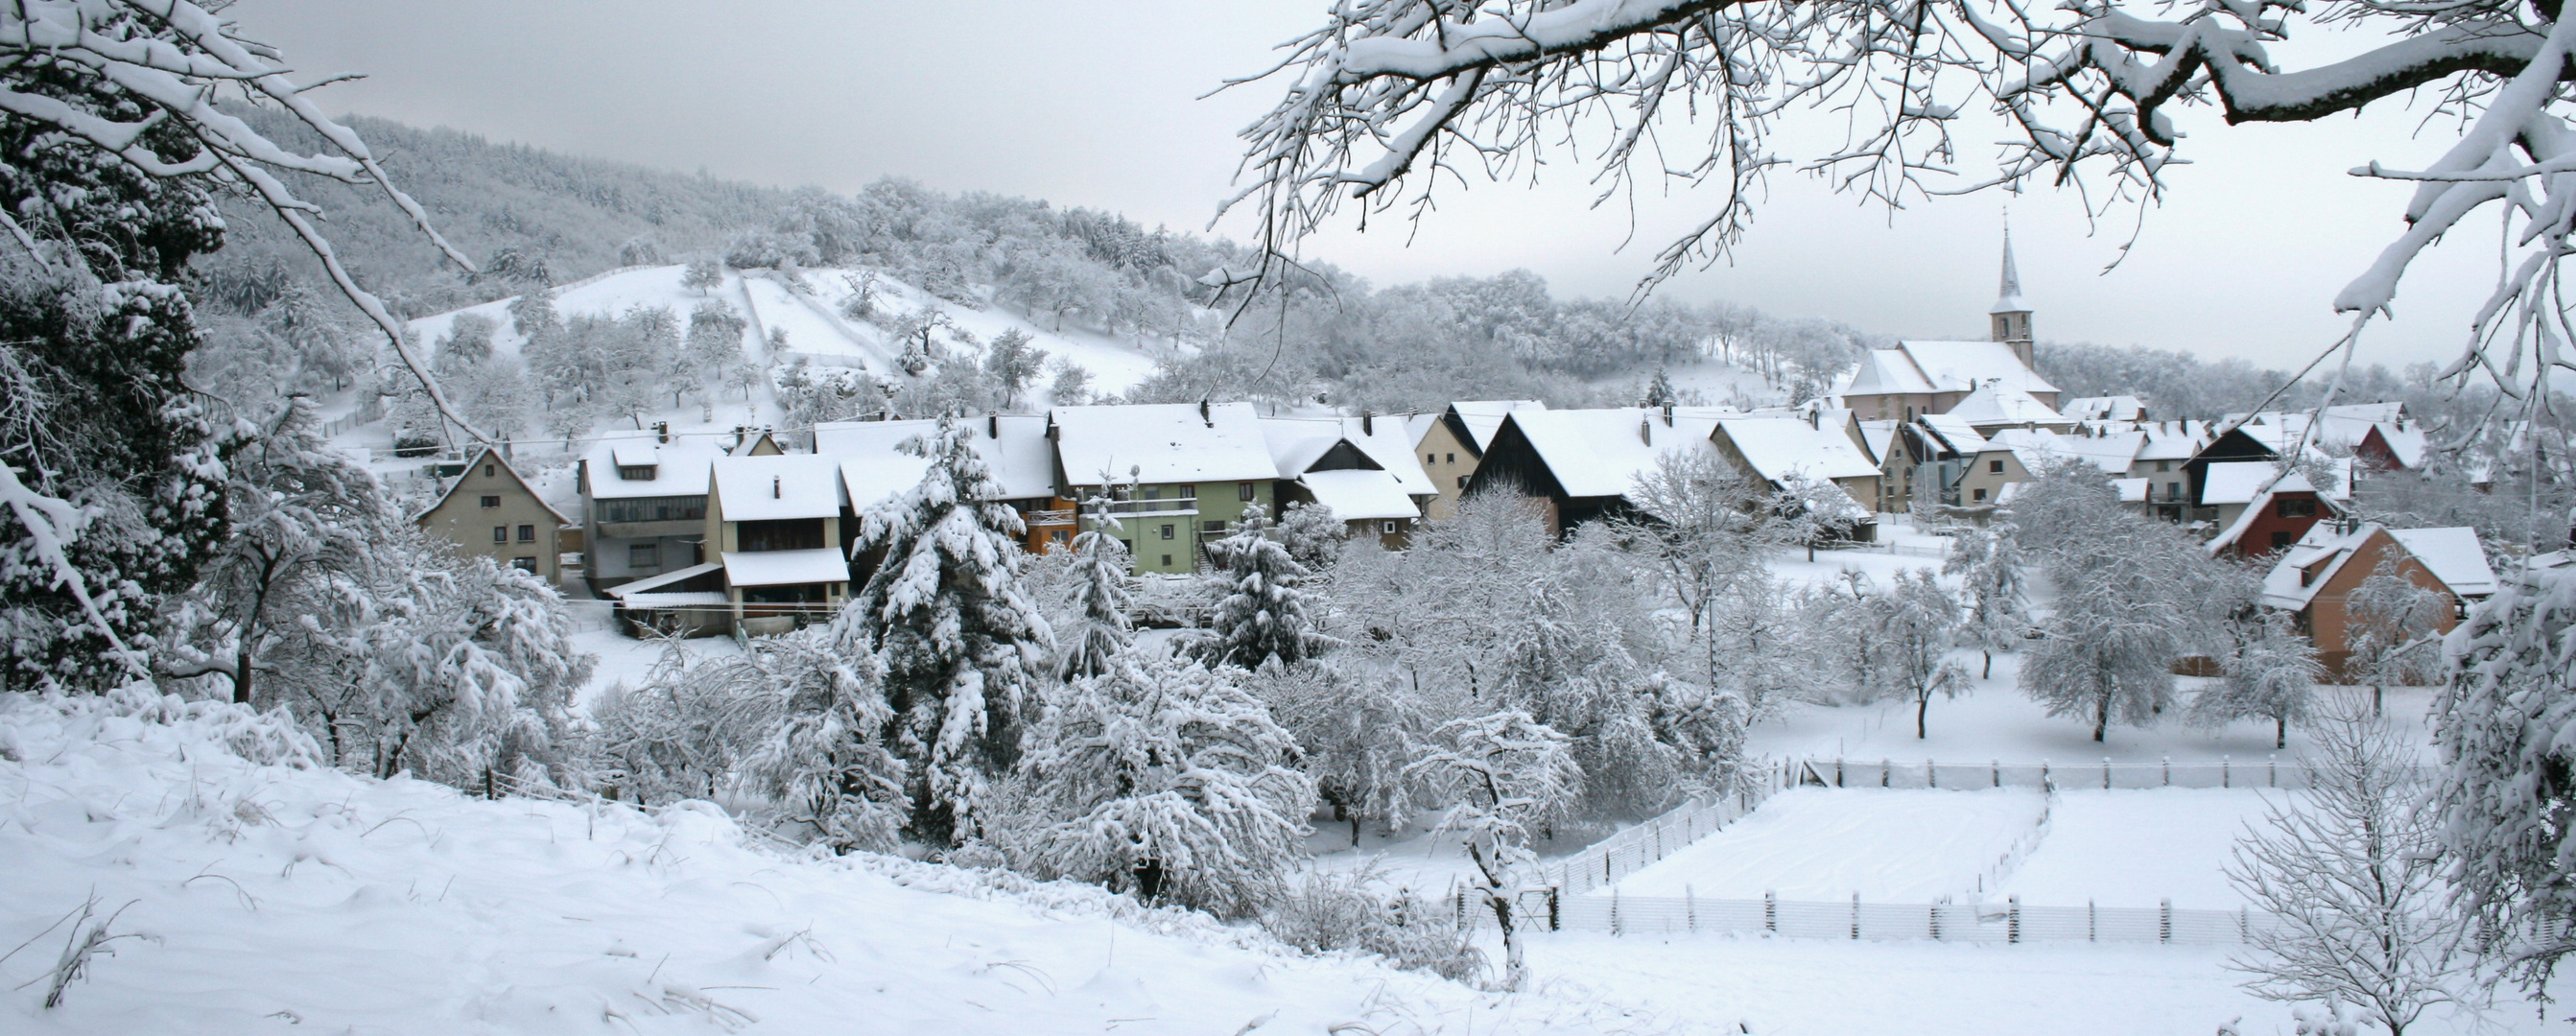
1426, 458
1059, 536
1212, 527
1462, 481
487, 471
1167, 530
1153, 492
527, 534
1980, 497
1386, 528
1995, 466
636, 472
2173, 490
2164, 465
2282, 539
491, 501
1243, 491
651, 509
524, 564
2296, 508
1453, 458
644, 555
1167, 561
500, 534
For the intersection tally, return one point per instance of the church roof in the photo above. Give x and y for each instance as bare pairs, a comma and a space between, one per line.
1886, 372
1962, 366
2008, 298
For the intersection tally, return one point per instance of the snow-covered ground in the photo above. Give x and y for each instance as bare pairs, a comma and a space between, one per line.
2139, 847
1826, 844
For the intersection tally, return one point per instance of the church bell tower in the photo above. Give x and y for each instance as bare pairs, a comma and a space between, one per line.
2011, 315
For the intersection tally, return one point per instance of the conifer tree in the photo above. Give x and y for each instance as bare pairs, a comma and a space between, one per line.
1099, 592
960, 640
1264, 615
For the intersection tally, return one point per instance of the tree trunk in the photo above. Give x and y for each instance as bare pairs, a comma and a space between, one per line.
1513, 971
2280, 732
1355, 831
2102, 717
1990, 665
1922, 702
2374, 701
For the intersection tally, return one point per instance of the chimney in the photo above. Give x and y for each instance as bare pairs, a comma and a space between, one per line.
775, 488
1668, 415
1816, 418
1368, 423
1646, 429
662, 431
992, 425
1204, 415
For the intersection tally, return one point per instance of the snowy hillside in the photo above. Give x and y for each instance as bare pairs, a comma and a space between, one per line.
240, 896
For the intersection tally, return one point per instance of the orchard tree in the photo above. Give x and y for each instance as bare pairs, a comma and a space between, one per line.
1992, 588
1013, 364
704, 274
1916, 626
2395, 631
1504, 774
962, 644
826, 761
2272, 675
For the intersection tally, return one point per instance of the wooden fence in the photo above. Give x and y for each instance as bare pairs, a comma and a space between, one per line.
2268, 772
2008, 921
1636, 848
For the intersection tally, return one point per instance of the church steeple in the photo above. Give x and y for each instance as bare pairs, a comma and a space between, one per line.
2012, 315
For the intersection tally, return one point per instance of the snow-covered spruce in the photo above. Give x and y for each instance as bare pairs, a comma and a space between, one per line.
1263, 613
961, 643
1167, 779
826, 765
1096, 588
2504, 791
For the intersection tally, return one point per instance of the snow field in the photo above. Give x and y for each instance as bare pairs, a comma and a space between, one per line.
1825, 844
2136, 848
267, 896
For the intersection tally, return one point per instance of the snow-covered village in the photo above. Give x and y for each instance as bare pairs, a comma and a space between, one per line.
1371, 518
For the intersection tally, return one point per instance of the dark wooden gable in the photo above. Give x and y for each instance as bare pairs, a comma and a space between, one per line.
2230, 448
1512, 461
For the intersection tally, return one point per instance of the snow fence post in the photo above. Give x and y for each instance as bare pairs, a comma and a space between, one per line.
1999, 772
2272, 770
1932, 915
1838, 771
1614, 909
1770, 911
1555, 922
1855, 922
2222, 772
2168, 771
2043, 773
2244, 924
2164, 920
2012, 918
1690, 909
2092, 923
487, 784
1931, 777
2106, 773
1886, 772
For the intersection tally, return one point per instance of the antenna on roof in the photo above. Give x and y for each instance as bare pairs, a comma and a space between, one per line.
774, 487
662, 430
1203, 412
992, 425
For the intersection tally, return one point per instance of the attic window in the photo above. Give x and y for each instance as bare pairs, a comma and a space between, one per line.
2297, 508
487, 470
636, 472
2308, 575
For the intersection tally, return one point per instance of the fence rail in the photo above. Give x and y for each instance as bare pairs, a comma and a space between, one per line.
2008, 921
2268, 772
1636, 848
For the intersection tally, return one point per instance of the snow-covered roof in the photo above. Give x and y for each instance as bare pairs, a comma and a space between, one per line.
2034, 446
1963, 439
1879, 437
2173, 440
1886, 372
1779, 448
1418, 425
2405, 440
679, 599
2008, 297
492, 456
1962, 366
1996, 404
1598, 453
2369, 413
1357, 493
671, 578
1014, 447
785, 567
679, 467
1163, 443
2132, 490
1296, 443
774, 486
2308, 565
2454, 556
2239, 482
2106, 408
1484, 416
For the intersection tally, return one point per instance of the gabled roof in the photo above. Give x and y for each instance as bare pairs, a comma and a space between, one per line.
2454, 556
2253, 512
491, 455
1163, 443
648, 584
2405, 441
1780, 448
1296, 443
2173, 440
1879, 437
2106, 408
776, 486
1962, 366
1885, 372
2032, 446
2132, 490
2319, 557
1014, 447
1482, 417
2240, 482
1962, 439
1359, 493
1996, 404
1602, 453
679, 467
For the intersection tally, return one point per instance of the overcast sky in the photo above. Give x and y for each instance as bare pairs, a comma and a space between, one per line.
1099, 104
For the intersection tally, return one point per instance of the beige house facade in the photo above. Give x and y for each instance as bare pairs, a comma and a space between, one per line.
491, 511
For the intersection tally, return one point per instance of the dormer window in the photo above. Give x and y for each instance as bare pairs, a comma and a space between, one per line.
637, 472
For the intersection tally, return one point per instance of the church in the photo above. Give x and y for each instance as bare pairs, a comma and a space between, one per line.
1921, 378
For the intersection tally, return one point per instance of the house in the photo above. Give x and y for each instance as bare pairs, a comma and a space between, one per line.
1931, 377
2129, 409
2012, 455
2315, 578
2398, 445
1362, 467
1177, 473
1927, 461
644, 504
1781, 449
2260, 514
491, 511
1580, 465
1452, 442
1014, 447
2160, 461
774, 524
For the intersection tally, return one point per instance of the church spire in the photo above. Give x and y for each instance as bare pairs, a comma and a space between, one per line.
2011, 314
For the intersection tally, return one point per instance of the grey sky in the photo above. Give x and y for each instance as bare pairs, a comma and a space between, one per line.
1098, 105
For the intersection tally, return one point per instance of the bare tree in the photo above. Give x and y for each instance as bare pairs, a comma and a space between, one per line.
2350, 873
